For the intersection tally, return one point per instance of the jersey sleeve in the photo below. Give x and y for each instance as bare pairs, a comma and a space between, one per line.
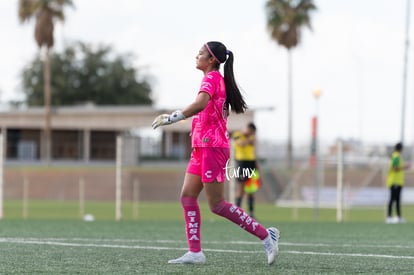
208, 85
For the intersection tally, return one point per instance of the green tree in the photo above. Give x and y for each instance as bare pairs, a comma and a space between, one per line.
285, 18
84, 73
45, 12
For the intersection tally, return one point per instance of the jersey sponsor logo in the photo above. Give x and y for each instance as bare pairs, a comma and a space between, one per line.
208, 174
206, 86
225, 111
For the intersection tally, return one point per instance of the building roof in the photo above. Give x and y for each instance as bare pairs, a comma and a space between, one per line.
102, 118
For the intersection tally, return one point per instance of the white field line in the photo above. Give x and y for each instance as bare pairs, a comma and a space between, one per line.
130, 241
351, 255
359, 245
33, 241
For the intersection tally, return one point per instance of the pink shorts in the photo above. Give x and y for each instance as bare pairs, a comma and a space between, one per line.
209, 163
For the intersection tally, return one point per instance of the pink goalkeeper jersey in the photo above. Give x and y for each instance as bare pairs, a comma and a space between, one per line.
209, 127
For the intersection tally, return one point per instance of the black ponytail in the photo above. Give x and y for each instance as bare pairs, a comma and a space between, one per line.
234, 98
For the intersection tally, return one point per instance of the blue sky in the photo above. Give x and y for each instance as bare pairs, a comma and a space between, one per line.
354, 55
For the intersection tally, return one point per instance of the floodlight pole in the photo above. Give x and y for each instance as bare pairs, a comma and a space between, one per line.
315, 161
1, 175
118, 179
405, 69
339, 183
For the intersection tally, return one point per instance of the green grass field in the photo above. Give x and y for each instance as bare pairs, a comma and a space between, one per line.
104, 211
53, 240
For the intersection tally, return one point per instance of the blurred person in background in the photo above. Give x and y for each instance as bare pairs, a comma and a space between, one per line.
395, 183
248, 181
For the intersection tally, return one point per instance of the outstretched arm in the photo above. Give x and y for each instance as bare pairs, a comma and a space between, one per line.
197, 106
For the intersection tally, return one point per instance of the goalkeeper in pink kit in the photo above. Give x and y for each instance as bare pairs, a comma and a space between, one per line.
217, 96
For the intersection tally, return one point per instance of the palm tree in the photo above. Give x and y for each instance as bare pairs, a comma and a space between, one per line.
45, 12
285, 18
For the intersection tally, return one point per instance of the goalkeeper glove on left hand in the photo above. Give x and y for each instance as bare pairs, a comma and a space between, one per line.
166, 119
